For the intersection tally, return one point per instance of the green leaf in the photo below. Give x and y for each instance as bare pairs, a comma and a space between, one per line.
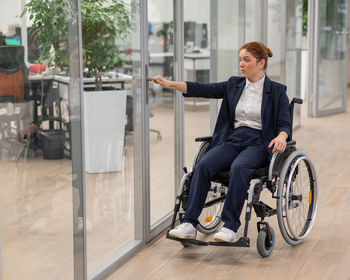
103, 24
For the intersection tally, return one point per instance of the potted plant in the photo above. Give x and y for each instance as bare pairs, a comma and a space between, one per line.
105, 24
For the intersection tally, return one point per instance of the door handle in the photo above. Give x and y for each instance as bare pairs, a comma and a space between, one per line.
147, 85
148, 79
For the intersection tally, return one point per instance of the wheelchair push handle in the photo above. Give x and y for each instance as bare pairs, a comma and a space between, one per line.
297, 100
291, 111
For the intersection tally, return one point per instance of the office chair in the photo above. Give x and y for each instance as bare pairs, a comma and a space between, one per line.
129, 127
14, 90
13, 73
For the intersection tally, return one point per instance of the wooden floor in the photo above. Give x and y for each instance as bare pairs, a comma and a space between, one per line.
36, 203
325, 254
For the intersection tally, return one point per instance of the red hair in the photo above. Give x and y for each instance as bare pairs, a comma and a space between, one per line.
258, 50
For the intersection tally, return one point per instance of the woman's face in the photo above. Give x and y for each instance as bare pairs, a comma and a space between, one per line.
249, 66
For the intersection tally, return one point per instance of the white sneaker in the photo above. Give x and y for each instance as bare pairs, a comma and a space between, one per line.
225, 235
184, 231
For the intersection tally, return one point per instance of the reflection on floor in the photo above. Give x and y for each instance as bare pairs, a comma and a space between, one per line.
325, 254
36, 204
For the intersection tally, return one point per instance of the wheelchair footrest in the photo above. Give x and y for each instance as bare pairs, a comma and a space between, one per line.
188, 241
242, 242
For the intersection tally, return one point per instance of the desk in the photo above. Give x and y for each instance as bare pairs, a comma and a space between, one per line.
63, 82
56, 98
88, 82
197, 66
193, 62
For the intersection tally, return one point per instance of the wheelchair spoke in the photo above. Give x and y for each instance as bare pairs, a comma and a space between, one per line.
210, 217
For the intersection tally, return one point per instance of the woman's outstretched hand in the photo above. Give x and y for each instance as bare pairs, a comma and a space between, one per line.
179, 86
161, 81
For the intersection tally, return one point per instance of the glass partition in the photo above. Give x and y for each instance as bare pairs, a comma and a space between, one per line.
230, 37
332, 63
197, 47
36, 203
284, 32
47, 203
275, 40
111, 104
293, 53
161, 110
254, 23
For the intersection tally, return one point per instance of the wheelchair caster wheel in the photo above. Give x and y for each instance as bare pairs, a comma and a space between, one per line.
265, 244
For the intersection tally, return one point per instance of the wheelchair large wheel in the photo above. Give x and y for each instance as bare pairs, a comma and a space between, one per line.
297, 198
210, 218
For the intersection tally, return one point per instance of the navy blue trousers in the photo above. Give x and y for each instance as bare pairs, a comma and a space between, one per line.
242, 152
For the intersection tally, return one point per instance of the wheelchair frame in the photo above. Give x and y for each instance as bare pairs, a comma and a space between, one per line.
279, 176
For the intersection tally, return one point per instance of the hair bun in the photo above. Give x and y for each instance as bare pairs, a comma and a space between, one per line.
268, 51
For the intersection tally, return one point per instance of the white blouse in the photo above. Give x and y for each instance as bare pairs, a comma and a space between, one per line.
248, 110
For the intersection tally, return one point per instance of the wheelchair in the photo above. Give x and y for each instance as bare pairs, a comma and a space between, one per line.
291, 180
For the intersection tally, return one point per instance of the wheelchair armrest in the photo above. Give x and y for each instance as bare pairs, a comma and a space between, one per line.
274, 157
203, 139
291, 143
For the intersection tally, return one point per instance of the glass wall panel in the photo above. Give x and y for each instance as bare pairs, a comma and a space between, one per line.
36, 205
284, 32
230, 37
293, 49
161, 108
254, 29
197, 41
111, 91
275, 38
332, 50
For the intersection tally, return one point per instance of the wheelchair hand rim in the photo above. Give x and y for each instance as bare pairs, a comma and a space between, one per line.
311, 219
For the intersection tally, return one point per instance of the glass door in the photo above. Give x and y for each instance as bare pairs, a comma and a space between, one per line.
285, 20
160, 108
256, 20
293, 52
276, 39
114, 140
328, 57
198, 59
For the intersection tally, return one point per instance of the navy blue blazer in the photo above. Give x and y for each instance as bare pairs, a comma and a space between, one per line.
275, 115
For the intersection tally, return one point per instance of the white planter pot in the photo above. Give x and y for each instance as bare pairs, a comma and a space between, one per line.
104, 128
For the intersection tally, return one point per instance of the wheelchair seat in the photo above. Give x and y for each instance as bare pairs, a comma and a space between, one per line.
223, 176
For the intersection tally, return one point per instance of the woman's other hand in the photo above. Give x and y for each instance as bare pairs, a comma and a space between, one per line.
279, 143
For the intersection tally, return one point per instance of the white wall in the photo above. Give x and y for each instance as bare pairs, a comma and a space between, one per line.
9, 10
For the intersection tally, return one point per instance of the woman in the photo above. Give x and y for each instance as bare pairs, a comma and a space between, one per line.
253, 123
